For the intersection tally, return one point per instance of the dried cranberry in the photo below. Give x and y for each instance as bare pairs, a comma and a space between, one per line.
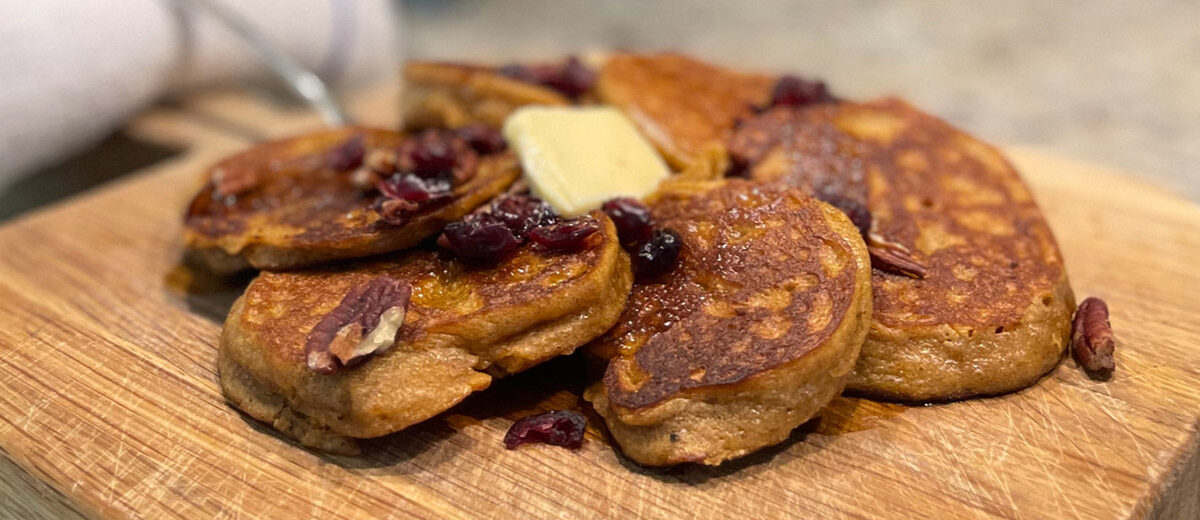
479, 236
859, 215
348, 155
482, 138
558, 428
739, 166
432, 153
572, 77
632, 219
412, 188
404, 195
522, 213
795, 91
657, 255
569, 235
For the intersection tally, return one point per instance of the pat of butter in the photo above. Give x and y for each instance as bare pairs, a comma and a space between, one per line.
575, 158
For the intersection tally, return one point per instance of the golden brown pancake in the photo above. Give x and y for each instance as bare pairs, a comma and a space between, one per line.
292, 209
755, 329
686, 107
451, 95
992, 313
464, 325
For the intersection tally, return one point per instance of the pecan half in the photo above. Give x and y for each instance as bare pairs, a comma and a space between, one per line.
363, 324
1092, 339
893, 257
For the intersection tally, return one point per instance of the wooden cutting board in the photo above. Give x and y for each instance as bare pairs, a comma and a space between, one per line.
109, 405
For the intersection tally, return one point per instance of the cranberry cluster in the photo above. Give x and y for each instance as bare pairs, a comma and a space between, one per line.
796, 91
654, 251
421, 173
572, 77
511, 221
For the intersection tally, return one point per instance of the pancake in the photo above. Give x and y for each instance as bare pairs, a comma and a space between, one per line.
290, 207
992, 312
687, 108
754, 330
464, 325
451, 95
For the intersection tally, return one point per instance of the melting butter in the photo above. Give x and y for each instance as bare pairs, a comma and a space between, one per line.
575, 158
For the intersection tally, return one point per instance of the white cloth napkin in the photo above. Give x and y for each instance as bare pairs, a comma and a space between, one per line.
71, 71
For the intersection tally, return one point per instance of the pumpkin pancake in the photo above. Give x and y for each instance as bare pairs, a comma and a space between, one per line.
686, 107
988, 307
463, 325
452, 95
754, 330
286, 204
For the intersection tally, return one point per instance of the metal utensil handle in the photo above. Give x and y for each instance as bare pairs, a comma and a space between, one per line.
303, 82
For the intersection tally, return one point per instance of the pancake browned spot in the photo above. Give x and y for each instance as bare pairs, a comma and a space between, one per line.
452, 95
992, 313
754, 330
686, 107
291, 208
464, 325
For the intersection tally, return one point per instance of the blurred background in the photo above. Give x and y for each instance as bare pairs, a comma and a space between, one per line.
1115, 84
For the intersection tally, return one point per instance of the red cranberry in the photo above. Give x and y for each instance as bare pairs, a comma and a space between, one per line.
739, 166
411, 188
569, 235
632, 219
794, 91
657, 255
480, 236
404, 195
348, 155
558, 428
522, 213
482, 138
432, 153
572, 78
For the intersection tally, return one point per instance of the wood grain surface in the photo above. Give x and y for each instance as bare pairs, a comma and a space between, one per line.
109, 405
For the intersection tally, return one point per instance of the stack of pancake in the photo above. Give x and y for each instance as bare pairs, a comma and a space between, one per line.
828, 245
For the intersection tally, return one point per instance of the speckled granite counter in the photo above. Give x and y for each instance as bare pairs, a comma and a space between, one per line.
1112, 83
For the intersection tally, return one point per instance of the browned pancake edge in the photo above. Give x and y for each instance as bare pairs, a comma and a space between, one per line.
302, 212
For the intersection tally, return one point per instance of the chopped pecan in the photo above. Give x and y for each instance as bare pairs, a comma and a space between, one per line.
559, 428
364, 179
1092, 339
893, 257
364, 323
